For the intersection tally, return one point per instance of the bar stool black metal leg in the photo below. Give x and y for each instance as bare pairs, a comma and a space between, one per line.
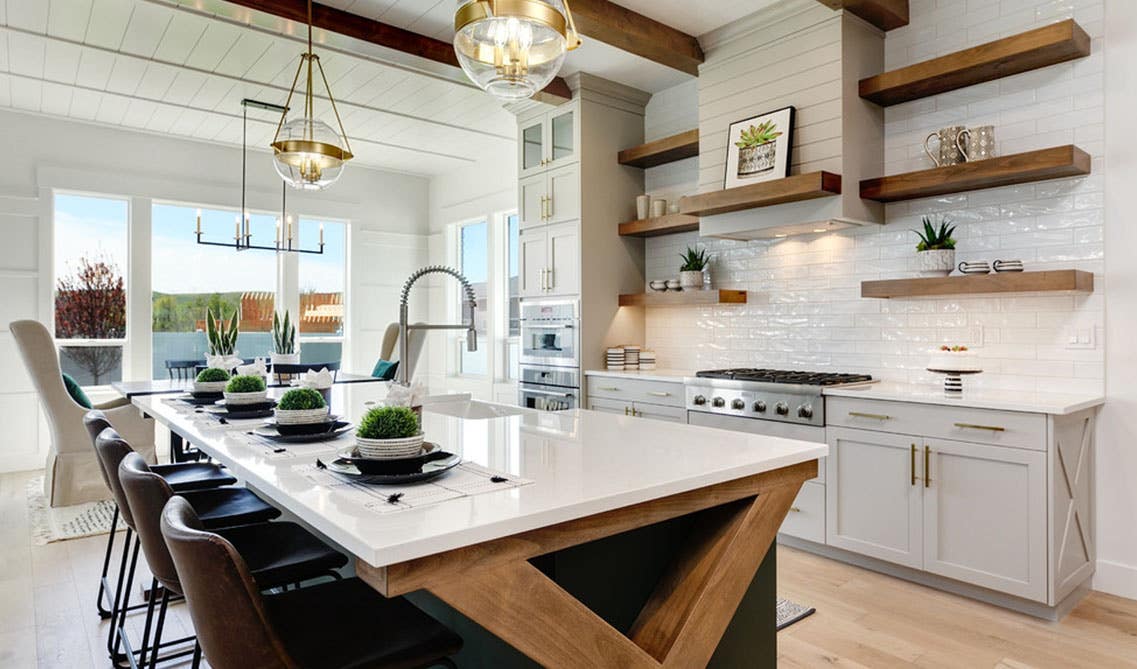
145, 646
158, 629
196, 656
117, 608
118, 632
105, 613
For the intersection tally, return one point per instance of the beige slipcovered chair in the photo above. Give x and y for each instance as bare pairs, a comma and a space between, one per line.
390, 348
72, 473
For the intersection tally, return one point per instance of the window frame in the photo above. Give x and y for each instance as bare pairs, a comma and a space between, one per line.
458, 339
340, 339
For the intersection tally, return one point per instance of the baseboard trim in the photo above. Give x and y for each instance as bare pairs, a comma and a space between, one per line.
1116, 578
1031, 608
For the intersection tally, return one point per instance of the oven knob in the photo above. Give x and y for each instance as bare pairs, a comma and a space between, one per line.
737, 405
760, 406
782, 409
699, 400
718, 402
805, 411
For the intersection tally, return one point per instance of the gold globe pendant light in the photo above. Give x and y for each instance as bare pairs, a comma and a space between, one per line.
513, 48
307, 153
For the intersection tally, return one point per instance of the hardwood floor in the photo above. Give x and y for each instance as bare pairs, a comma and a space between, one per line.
863, 619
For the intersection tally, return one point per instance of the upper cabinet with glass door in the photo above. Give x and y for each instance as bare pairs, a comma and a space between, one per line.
549, 140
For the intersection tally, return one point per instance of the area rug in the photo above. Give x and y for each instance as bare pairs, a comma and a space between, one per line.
65, 522
789, 612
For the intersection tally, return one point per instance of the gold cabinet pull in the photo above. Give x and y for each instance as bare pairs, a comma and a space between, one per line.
552, 279
552, 207
626, 411
656, 393
795, 509
611, 389
973, 426
873, 416
927, 466
913, 464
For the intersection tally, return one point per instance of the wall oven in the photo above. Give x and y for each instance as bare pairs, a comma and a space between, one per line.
550, 333
548, 388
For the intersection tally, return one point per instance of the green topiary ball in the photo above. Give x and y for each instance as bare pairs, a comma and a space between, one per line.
212, 375
299, 399
388, 423
245, 384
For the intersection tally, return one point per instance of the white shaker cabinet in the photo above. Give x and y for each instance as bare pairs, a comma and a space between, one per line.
549, 260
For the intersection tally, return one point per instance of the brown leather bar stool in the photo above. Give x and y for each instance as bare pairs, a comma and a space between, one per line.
277, 554
220, 507
335, 625
188, 476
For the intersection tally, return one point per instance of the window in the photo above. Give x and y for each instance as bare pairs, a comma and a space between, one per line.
91, 253
322, 281
474, 264
513, 297
188, 279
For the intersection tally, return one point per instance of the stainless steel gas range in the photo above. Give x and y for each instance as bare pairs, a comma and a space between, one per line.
764, 401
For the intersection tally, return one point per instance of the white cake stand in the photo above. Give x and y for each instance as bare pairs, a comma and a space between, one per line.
953, 379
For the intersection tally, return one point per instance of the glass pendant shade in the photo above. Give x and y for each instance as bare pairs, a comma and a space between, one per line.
513, 48
307, 154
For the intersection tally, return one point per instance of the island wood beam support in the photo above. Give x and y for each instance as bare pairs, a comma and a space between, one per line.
637, 34
884, 14
384, 35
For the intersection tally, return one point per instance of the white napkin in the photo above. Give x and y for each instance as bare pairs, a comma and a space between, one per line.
405, 396
256, 368
320, 380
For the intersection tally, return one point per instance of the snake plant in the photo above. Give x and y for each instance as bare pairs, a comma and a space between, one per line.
283, 334
222, 334
763, 133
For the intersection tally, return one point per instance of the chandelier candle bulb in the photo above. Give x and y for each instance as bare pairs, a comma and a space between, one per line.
321, 234
198, 223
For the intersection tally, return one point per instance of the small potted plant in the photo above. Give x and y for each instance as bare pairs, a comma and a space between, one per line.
222, 336
246, 389
691, 271
284, 349
301, 406
757, 149
389, 432
936, 250
211, 381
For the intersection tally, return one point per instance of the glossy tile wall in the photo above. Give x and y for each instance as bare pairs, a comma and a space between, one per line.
805, 308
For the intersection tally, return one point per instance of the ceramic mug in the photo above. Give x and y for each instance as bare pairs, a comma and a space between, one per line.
976, 143
948, 153
658, 208
642, 202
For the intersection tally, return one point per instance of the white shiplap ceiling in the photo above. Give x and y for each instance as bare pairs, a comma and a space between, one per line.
182, 67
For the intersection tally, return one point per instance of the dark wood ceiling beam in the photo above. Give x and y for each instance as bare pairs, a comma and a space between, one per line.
884, 14
637, 34
382, 34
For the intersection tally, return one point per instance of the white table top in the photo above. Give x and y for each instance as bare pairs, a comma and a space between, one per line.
582, 463
980, 398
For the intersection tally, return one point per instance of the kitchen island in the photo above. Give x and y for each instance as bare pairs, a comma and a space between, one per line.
615, 510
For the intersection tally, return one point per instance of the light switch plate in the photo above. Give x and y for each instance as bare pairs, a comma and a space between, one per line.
1079, 337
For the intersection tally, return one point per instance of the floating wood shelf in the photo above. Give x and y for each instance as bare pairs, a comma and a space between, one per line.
666, 150
683, 298
662, 225
777, 191
1054, 163
1065, 280
1027, 51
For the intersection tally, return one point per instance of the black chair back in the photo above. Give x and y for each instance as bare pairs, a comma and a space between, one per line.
181, 370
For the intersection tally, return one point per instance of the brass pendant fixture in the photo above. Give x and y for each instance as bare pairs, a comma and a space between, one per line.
513, 48
308, 153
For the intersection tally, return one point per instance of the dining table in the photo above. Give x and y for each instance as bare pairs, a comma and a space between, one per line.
559, 539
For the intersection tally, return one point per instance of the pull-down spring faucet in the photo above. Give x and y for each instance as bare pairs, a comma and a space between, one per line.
404, 327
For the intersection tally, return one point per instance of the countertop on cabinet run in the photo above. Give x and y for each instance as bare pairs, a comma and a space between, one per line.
1057, 404
581, 463
661, 374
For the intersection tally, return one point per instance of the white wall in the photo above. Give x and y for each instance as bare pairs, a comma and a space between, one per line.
388, 233
1116, 455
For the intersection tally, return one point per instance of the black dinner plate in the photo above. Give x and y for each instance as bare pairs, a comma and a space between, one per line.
333, 430
205, 399
245, 411
291, 429
431, 463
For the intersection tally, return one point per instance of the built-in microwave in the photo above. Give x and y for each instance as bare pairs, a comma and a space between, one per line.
550, 333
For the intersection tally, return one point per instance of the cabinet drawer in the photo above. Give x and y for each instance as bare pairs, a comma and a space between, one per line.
985, 426
806, 519
660, 412
636, 390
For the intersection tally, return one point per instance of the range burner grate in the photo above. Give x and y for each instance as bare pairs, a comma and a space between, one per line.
784, 376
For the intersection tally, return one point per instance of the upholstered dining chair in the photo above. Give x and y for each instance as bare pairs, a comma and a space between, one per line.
340, 624
389, 349
72, 472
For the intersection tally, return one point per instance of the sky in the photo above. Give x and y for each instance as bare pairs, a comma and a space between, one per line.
95, 225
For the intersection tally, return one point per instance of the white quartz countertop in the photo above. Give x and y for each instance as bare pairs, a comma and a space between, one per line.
980, 398
661, 374
581, 463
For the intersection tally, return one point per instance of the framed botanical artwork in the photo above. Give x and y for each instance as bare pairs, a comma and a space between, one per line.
758, 148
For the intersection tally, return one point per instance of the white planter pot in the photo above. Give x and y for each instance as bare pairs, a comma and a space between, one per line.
246, 398
387, 449
936, 263
691, 280
226, 362
209, 386
301, 416
284, 358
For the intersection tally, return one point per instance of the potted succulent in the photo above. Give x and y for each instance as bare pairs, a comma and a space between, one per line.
246, 389
284, 349
389, 432
691, 271
936, 250
757, 149
222, 336
301, 406
211, 381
